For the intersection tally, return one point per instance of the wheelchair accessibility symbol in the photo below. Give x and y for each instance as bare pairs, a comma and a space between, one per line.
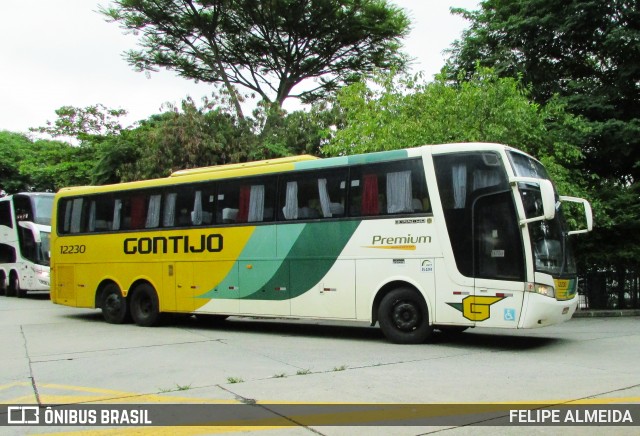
509, 314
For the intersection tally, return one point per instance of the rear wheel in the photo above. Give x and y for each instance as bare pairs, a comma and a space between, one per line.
145, 309
403, 317
18, 291
13, 283
114, 305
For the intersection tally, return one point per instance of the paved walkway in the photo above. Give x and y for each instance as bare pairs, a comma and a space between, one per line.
588, 313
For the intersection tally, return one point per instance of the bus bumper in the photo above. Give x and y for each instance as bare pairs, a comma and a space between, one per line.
541, 311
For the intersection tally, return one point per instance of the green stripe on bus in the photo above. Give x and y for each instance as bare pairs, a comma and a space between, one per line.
260, 248
381, 156
315, 251
311, 246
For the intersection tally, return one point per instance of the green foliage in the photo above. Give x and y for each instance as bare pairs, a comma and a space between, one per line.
392, 112
584, 55
52, 165
41, 165
182, 137
84, 123
267, 48
13, 148
299, 132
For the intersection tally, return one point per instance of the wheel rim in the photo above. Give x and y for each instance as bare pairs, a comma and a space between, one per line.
406, 316
144, 305
113, 304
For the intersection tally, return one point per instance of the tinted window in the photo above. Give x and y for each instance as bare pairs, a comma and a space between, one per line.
312, 195
246, 201
388, 188
474, 190
5, 214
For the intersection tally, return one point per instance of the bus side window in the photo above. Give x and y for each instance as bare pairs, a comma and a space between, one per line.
389, 188
153, 212
182, 207
246, 201
101, 213
313, 195
169, 210
202, 212
5, 214
138, 211
76, 215
7, 253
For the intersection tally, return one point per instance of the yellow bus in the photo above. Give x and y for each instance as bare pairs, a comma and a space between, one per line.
435, 237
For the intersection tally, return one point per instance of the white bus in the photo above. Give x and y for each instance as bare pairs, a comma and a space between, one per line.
25, 227
436, 237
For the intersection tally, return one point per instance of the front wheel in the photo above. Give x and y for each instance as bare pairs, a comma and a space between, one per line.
114, 305
404, 318
145, 309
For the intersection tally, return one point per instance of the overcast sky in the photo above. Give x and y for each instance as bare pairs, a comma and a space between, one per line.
57, 53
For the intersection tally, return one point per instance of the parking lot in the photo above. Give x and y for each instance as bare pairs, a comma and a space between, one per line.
59, 355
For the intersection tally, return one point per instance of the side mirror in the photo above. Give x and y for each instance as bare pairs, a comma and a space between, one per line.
588, 213
547, 194
35, 231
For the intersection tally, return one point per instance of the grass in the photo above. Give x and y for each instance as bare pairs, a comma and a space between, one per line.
234, 380
177, 388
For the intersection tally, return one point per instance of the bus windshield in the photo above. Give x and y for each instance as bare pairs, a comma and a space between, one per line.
552, 249
42, 206
43, 249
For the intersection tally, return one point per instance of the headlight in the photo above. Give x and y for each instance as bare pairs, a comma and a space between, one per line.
546, 290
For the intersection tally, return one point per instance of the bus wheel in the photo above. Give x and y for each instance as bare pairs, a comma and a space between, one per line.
145, 309
403, 317
114, 305
14, 284
16, 289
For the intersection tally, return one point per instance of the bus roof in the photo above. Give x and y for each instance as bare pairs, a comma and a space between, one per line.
235, 166
277, 165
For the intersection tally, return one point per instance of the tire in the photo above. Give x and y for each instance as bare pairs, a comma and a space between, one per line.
145, 309
18, 291
13, 282
115, 308
404, 318
3, 286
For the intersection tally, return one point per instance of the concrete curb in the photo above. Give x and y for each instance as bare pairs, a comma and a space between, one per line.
606, 313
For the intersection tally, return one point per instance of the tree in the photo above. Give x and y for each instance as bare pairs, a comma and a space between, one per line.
584, 52
42, 165
84, 123
52, 165
266, 48
13, 148
393, 112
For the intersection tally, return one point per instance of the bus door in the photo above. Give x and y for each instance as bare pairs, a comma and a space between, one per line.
498, 261
178, 293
